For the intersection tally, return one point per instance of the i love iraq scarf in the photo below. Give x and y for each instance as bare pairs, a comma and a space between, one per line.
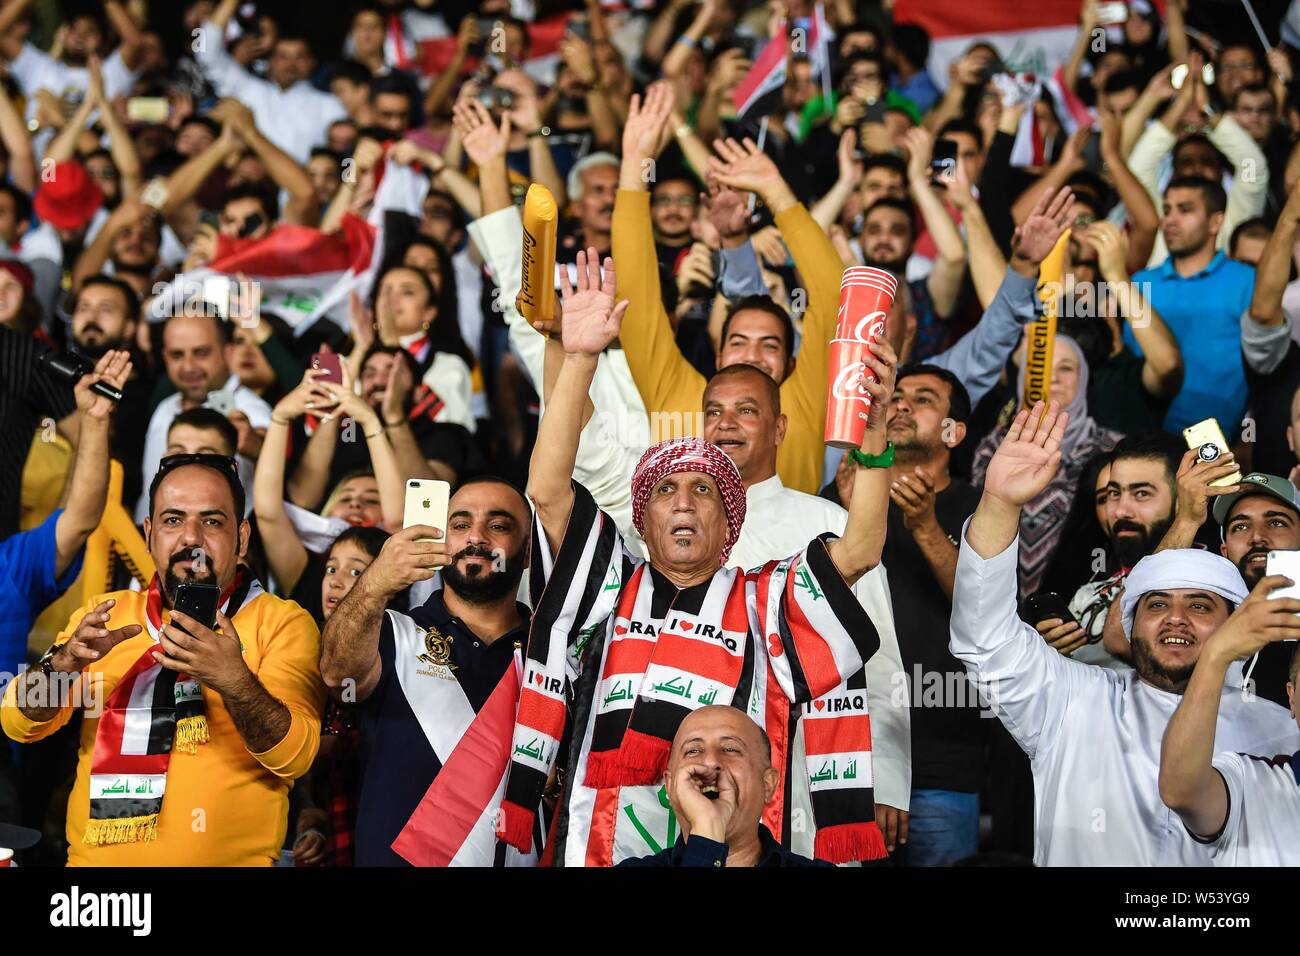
650, 681
150, 710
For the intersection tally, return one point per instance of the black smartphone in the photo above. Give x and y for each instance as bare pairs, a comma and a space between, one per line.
1046, 605
199, 600
943, 162
251, 225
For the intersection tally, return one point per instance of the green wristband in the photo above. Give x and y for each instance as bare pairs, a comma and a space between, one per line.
884, 460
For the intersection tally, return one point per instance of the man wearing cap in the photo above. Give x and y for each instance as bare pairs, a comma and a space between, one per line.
1245, 807
1263, 516
191, 735
1257, 515
625, 648
1093, 734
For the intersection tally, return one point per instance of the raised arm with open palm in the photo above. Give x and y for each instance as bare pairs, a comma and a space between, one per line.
1024, 465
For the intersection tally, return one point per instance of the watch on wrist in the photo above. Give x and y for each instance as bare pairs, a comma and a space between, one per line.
46, 664
884, 460
540, 131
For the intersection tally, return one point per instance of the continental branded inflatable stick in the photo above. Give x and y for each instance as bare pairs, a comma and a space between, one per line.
537, 293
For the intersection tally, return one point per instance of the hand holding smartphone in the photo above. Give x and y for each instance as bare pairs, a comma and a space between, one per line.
1286, 563
1207, 439
1047, 605
427, 502
331, 364
199, 600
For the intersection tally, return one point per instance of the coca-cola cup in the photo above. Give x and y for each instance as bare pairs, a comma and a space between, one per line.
6, 857
866, 296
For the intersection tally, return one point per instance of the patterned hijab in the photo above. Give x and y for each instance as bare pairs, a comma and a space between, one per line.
1080, 423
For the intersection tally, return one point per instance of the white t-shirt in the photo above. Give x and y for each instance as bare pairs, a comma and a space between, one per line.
1263, 825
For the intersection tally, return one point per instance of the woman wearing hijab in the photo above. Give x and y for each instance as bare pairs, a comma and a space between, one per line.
1044, 519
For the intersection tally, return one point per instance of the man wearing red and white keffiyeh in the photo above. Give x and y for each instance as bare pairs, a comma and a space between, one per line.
627, 648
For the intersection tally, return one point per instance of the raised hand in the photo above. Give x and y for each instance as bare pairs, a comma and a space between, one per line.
1111, 246
1028, 457
483, 140
590, 320
884, 365
113, 368
396, 390
1195, 486
643, 131
1260, 620
920, 150
850, 167
309, 395
744, 166
1037, 235
728, 212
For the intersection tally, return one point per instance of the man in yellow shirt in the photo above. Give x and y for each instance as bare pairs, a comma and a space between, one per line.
192, 735
669, 385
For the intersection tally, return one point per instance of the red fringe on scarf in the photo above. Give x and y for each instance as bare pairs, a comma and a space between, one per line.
515, 826
849, 842
638, 762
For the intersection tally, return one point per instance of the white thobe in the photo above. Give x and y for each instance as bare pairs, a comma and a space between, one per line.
1263, 811
1092, 734
779, 522
619, 431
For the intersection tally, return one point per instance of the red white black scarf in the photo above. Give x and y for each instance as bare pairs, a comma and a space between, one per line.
757, 641
150, 709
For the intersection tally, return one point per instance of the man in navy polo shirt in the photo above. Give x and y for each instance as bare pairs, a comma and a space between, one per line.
37, 566
437, 687
1205, 299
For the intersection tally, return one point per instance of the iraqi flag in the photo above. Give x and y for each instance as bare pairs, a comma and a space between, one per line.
1033, 36
296, 272
1030, 147
766, 76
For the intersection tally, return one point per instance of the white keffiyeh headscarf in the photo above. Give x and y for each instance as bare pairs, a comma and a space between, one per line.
1179, 569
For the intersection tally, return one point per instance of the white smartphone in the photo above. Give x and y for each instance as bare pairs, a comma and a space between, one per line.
155, 194
427, 501
1288, 563
222, 401
1206, 438
1110, 13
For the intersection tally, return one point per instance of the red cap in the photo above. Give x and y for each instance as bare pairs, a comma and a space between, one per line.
19, 270
70, 198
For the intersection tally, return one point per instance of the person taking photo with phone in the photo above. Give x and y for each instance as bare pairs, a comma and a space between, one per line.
235, 700
438, 684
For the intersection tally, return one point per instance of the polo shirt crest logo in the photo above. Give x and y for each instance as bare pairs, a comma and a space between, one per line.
437, 654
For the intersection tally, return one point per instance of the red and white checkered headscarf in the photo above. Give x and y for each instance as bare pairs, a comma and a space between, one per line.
690, 454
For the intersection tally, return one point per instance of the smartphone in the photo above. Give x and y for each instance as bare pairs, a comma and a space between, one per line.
426, 503
1046, 605
147, 109
1288, 563
251, 225
1207, 439
332, 364
222, 401
579, 27
876, 112
155, 193
1111, 13
199, 600
943, 163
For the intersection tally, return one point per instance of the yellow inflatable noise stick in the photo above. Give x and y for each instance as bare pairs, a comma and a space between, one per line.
537, 293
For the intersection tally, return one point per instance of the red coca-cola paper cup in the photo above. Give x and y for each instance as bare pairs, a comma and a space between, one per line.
6, 857
866, 296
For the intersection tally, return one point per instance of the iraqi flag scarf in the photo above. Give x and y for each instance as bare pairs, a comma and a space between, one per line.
149, 711
650, 681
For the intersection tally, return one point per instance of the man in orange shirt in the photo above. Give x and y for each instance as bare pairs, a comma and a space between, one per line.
192, 735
